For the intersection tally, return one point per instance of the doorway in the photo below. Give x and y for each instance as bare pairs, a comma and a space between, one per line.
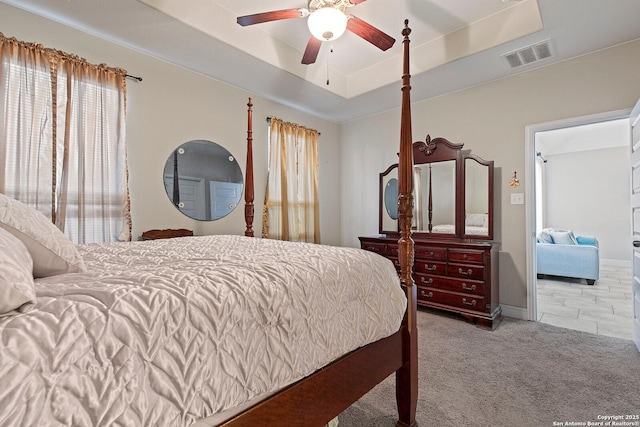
581, 183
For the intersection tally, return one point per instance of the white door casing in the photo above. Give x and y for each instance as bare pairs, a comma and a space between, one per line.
635, 219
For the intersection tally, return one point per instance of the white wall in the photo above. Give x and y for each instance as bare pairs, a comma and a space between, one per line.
490, 120
173, 105
588, 192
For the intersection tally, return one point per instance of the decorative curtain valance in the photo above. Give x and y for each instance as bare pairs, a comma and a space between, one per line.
55, 55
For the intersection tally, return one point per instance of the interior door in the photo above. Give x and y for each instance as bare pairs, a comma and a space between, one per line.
224, 197
635, 219
192, 201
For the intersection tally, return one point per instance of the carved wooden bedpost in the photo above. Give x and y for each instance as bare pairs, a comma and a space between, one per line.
407, 375
248, 184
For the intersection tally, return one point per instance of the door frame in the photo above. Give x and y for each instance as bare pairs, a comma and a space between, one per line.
530, 194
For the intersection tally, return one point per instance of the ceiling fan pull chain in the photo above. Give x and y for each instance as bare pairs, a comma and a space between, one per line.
328, 56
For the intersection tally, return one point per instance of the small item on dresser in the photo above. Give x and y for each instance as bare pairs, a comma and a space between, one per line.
166, 233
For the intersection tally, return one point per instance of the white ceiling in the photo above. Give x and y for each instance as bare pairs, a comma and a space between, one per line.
593, 136
454, 43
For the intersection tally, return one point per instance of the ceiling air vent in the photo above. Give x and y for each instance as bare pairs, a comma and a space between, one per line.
529, 54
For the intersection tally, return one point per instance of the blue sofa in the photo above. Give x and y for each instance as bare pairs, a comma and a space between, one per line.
560, 253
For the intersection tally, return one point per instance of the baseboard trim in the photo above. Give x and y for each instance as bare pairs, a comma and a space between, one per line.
515, 312
615, 263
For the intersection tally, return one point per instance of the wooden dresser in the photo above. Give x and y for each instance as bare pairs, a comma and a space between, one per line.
456, 276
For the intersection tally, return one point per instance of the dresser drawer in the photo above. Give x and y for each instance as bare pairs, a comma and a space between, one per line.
430, 253
466, 271
464, 255
455, 285
467, 302
392, 250
379, 248
430, 267
459, 276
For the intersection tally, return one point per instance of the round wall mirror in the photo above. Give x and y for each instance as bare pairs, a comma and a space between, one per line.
203, 180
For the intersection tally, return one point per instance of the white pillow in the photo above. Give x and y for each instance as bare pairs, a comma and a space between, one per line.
52, 252
17, 292
562, 237
476, 219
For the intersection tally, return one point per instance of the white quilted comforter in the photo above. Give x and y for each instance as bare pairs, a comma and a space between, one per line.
166, 332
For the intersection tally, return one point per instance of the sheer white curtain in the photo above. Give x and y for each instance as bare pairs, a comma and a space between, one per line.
62, 140
26, 115
291, 208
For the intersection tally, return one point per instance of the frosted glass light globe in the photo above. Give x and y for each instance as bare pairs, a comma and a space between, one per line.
327, 24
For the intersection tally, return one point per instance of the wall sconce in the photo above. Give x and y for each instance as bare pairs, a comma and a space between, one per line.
514, 181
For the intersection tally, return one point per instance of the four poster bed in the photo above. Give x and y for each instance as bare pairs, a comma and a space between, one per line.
210, 330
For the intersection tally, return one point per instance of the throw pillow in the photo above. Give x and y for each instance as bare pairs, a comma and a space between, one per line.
545, 237
17, 292
563, 238
475, 219
52, 252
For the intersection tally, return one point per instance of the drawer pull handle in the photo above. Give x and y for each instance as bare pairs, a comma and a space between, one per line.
425, 294
464, 301
431, 253
432, 268
464, 256
374, 249
466, 273
425, 281
468, 288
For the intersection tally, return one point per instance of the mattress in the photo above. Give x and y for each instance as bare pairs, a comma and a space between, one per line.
168, 332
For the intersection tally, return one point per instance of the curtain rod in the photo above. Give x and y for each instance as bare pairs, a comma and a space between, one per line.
133, 77
269, 121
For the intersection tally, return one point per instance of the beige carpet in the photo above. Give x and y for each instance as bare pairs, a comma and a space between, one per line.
522, 374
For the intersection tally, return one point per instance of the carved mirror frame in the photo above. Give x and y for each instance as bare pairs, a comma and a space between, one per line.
480, 182
433, 151
387, 223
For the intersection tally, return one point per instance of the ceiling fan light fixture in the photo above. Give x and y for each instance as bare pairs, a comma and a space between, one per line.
327, 23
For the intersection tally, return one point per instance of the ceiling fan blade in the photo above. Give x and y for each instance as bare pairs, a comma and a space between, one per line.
275, 15
370, 33
354, 2
311, 52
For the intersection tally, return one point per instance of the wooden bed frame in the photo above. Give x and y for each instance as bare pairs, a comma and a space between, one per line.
317, 399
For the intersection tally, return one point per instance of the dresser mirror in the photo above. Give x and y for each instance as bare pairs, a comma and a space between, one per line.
453, 193
203, 180
478, 198
434, 197
388, 203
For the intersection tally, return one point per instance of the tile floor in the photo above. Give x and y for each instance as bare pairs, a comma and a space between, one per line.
605, 308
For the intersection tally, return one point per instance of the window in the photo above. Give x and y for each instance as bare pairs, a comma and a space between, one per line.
291, 208
62, 140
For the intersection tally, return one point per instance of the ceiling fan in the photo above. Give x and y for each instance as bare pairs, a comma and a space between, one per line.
327, 21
